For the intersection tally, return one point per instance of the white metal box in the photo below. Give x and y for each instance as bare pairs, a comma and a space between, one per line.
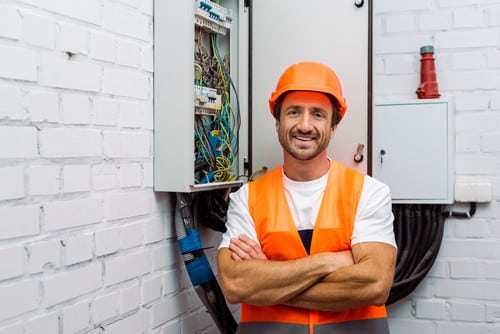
179, 102
413, 150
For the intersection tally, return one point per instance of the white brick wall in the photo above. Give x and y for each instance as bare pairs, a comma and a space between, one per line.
460, 294
89, 248
83, 237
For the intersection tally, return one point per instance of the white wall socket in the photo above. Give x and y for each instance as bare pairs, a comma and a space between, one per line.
479, 192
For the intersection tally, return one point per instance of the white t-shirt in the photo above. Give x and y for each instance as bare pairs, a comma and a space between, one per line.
373, 221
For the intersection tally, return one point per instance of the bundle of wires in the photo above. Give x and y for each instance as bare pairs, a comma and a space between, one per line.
216, 137
419, 232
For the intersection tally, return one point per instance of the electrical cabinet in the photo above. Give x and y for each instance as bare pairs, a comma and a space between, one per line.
198, 115
413, 150
333, 32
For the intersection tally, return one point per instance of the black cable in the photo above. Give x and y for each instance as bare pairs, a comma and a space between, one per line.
419, 232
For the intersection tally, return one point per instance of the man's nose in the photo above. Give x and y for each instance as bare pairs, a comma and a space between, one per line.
305, 122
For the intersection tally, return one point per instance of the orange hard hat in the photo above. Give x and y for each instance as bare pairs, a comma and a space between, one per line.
309, 76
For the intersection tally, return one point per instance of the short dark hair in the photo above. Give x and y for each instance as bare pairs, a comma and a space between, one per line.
336, 117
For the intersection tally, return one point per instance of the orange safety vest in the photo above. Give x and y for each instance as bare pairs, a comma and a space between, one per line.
280, 240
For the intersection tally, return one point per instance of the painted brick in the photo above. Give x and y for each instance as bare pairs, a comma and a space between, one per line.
475, 165
39, 30
471, 60
88, 11
132, 3
128, 54
154, 230
467, 17
71, 74
131, 115
467, 269
10, 22
125, 83
126, 144
107, 241
44, 255
105, 111
102, 46
126, 205
472, 80
168, 309
171, 282
75, 317
457, 3
147, 63
470, 289
14, 267
70, 284
133, 324
435, 20
43, 180
469, 248
129, 298
147, 107
77, 248
75, 109
399, 85
467, 39
125, 267
147, 174
401, 64
18, 142
495, 100
151, 289
125, 21
12, 181
16, 328
467, 142
462, 328
72, 213
26, 295
493, 15
164, 255
491, 143
400, 23
494, 58
475, 122
104, 177
18, 63
131, 235
130, 175
45, 323
73, 38
76, 178
398, 6
472, 229
401, 44
70, 142
11, 103
42, 106
493, 313
105, 307
467, 312
19, 221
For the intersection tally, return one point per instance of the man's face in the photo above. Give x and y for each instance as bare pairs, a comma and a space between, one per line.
304, 127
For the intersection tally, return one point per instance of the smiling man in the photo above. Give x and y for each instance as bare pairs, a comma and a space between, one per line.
309, 246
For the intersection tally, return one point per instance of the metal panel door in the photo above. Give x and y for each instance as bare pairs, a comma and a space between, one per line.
288, 31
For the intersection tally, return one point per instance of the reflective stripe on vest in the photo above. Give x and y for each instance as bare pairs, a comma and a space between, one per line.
280, 240
368, 326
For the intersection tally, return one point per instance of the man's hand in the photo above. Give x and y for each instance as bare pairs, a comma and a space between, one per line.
244, 248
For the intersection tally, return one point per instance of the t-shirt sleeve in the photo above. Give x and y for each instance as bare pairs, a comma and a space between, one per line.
374, 218
239, 221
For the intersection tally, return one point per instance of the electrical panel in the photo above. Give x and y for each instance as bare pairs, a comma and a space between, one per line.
413, 150
198, 115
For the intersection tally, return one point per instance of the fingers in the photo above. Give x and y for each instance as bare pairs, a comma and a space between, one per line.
245, 248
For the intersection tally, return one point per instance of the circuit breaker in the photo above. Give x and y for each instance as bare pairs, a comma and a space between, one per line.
197, 110
413, 150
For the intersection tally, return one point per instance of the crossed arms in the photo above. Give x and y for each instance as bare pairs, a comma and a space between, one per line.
330, 281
